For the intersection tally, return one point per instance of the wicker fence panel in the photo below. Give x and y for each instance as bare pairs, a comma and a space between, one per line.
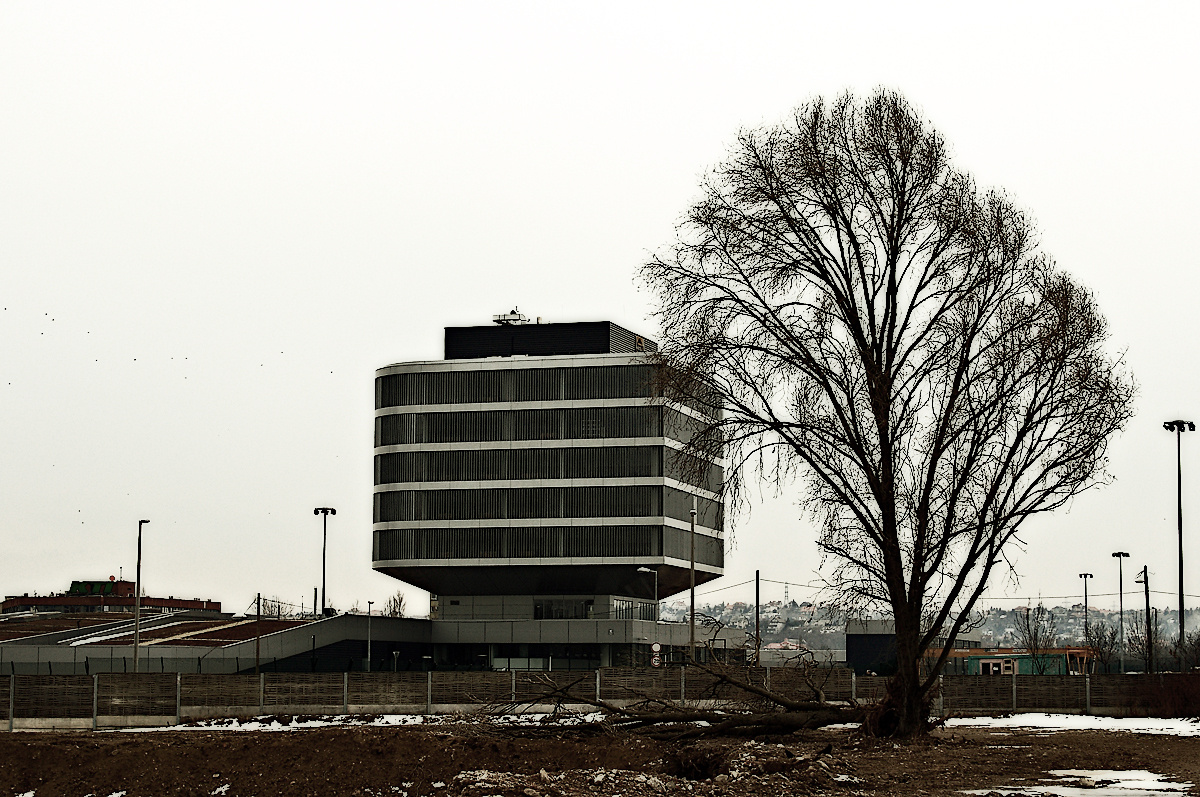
798, 683
534, 686
702, 685
977, 693
54, 696
870, 688
303, 689
388, 689
213, 691
151, 695
1115, 691
639, 683
1158, 695
1061, 692
483, 688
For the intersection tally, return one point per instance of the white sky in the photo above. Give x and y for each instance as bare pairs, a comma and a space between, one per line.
218, 219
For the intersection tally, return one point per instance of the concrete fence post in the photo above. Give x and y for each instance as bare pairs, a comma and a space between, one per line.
262, 692
178, 699
682, 684
429, 692
941, 698
12, 703
513, 685
597, 685
853, 687
95, 699
1087, 693
346, 692
1014, 690
767, 678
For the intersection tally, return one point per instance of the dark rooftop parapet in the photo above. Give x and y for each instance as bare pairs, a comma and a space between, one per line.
542, 340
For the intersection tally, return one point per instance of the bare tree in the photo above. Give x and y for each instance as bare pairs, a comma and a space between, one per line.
1102, 642
1143, 640
1187, 652
854, 311
275, 608
1037, 632
394, 606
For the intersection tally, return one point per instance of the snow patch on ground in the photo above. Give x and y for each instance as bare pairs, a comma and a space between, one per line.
275, 723
1080, 722
1098, 783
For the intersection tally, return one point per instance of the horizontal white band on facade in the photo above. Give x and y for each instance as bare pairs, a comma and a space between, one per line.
515, 362
590, 561
520, 484
503, 445
582, 442
535, 523
498, 406
553, 404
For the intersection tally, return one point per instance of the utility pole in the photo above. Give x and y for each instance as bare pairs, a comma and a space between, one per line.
1144, 578
257, 630
757, 632
1087, 641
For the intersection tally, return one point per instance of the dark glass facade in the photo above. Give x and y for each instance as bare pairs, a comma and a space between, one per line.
563, 463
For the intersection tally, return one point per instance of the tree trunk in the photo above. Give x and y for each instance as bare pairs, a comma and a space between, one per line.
903, 712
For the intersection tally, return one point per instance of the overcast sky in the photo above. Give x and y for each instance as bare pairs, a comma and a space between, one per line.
218, 219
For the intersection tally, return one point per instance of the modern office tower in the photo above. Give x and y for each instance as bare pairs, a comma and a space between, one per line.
533, 474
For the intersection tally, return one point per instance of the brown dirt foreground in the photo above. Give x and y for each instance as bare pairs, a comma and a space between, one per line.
482, 759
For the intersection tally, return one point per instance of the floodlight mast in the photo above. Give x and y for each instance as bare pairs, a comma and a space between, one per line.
137, 600
1120, 556
324, 512
1179, 427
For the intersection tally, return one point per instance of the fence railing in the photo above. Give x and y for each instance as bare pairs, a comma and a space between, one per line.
114, 699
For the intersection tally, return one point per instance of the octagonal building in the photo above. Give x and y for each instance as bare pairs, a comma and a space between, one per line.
533, 474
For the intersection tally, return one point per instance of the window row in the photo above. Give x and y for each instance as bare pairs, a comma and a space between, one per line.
545, 542
532, 542
545, 463
518, 503
513, 384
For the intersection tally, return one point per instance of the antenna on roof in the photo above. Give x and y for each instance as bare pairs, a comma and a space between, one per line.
510, 319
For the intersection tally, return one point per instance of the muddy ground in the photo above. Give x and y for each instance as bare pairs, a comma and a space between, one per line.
480, 759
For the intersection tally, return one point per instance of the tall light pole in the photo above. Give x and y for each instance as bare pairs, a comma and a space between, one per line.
369, 635
1179, 427
1120, 557
137, 600
692, 617
657, 613
324, 512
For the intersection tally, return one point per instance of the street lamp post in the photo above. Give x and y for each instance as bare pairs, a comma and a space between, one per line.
324, 512
657, 612
369, 635
137, 600
1179, 427
1120, 557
